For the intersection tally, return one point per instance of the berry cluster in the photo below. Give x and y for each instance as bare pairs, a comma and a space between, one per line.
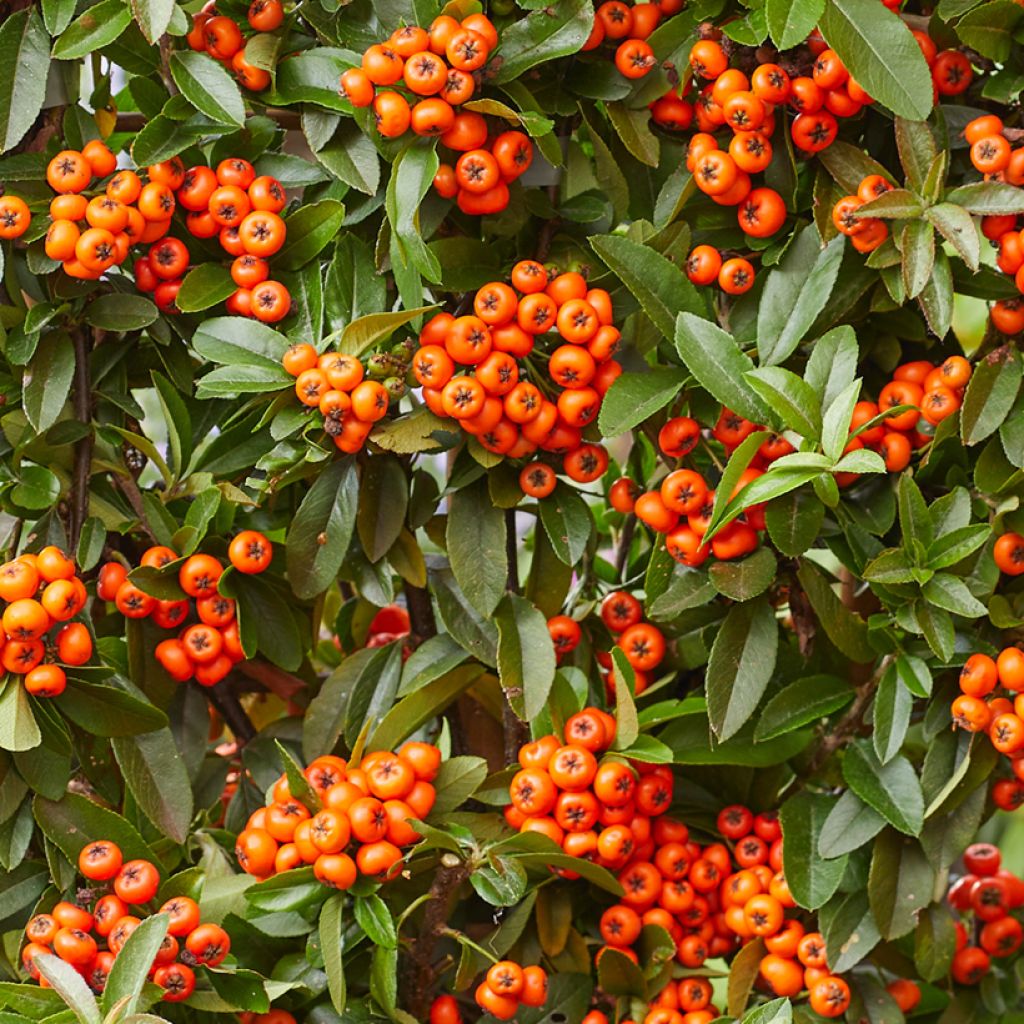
221, 37
41, 592
685, 494
90, 236
602, 812
642, 642
984, 898
438, 70
980, 708
208, 644
627, 28
924, 392
866, 233
366, 809
997, 160
508, 986
239, 209
508, 413
337, 385
734, 275
78, 935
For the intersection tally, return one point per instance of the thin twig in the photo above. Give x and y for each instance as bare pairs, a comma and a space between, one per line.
82, 468
625, 543
225, 700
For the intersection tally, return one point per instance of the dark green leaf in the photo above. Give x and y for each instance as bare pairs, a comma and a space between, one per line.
25, 52
892, 789
47, 380
844, 628
900, 883
795, 292
99, 25
543, 35
321, 530
892, 707
476, 538
567, 523
633, 397
800, 703
741, 663
526, 655
746, 578
990, 395
204, 286
330, 935
383, 499
877, 47
310, 228
812, 880
715, 359
849, 929
661, 288
791, 21
155, 773
207, 86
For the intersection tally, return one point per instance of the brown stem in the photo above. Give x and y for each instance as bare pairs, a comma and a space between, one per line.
82, 467
130, 489
625, 543
225, 700
421, 612
511, 551
166, 48
276, 680
420, 974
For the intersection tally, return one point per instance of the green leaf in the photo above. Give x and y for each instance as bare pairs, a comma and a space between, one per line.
990, 395
47, 381
237, 341
204, 286
526, 655
985, 197
373, 916
626, 720
320, 532
18, 728
934, 942
633, 128
832, 365
739, 460
133, 962
900, 883
879, 51
800, 703
352, 158
989, 28
99, 25
331, 946
634, 397
70, 986
567, 522
956, 227
107, 710
421, 705
897, 203
936, 299
812, 880
155, 773
661, 288
383, 500
153, 17
207, 86
951, 594
741, 663
850, 824
25, 53
795, 292
688, 738
849, 929
892, 789
746, 578
794, 521
892, 707
844, 628
790, 396
310, 228
476, 542
916, 146
952, 547
73, 821
776, 1011
715, 359
543, 35
937, 626
411, 176
918, 250
121, 313
791, 21
687, 588
367, 331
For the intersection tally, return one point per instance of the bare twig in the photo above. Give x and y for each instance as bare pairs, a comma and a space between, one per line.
625, 543
225, 700
82, 468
